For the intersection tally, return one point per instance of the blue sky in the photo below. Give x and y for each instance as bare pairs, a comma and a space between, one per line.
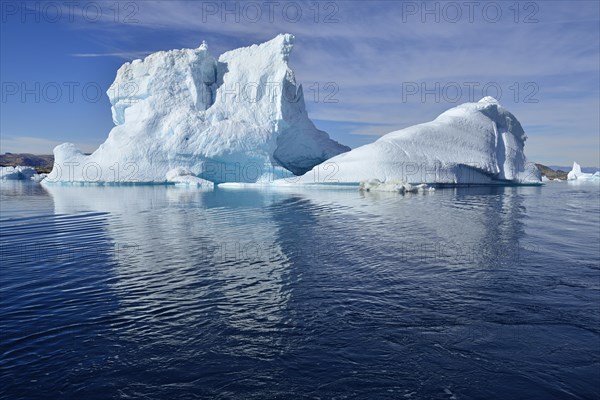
392, 63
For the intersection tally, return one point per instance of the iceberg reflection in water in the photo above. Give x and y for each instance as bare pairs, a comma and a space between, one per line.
165, 292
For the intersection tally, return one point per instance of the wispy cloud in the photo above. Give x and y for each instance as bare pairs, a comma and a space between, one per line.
130, 55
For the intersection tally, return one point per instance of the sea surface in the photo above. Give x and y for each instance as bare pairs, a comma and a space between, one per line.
157, 292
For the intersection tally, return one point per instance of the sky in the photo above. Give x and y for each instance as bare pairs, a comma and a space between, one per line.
367, 68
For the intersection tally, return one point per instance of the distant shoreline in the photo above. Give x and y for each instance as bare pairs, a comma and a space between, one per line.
43, 164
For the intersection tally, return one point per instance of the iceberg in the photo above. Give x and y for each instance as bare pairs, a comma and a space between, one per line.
18, 173
577, 175
238, 118
474, 143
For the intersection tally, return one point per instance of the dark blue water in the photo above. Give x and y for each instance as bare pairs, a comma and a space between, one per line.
158, 292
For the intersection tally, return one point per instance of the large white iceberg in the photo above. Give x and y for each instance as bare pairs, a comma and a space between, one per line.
474, 143
240, 118
577, 175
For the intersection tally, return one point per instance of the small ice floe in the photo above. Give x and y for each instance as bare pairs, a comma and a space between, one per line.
38, 177
375, 185
184, 177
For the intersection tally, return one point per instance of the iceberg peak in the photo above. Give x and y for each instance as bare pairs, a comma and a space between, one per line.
489, 100
287, 40
576, 168
577, 175
281, 44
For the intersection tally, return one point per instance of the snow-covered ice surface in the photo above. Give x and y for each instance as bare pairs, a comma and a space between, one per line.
474, 143
575, 175
240, 118
18, 173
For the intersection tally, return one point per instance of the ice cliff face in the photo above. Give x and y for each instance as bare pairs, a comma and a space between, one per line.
240, 118
474, 143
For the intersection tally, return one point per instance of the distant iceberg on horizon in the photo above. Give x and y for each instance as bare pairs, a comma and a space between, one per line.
20, 173
576, 175
186, 118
